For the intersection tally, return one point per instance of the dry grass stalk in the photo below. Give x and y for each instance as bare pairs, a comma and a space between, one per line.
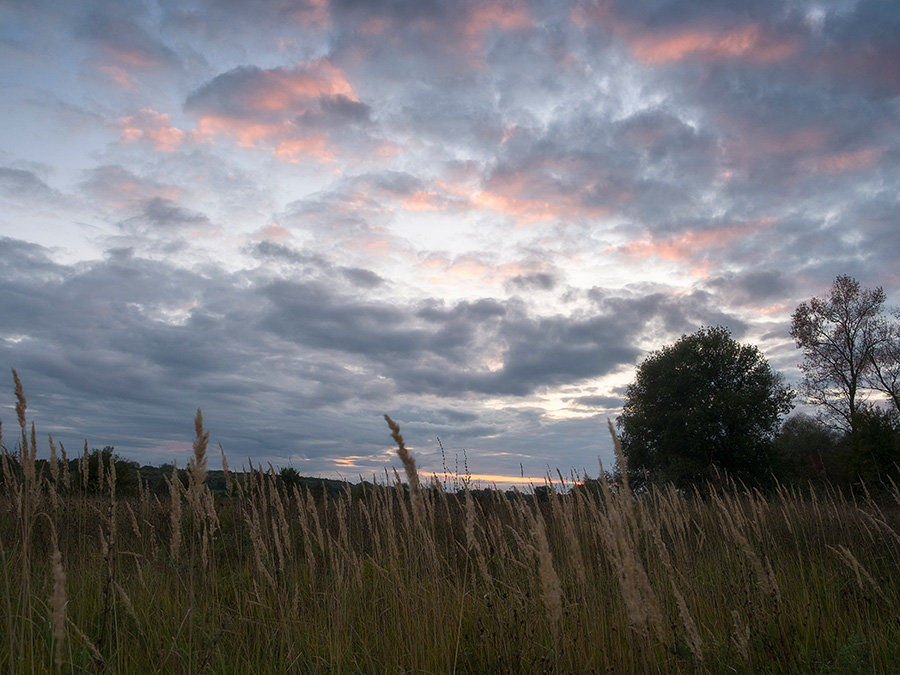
111, 474
313, 512
640, 600
551, 591
620, 455
126, 601
766, 580
54, 460
100, 472
574, 548
858, 569
175, 511
741, 635
470, 520
197, 463
99, 661
58, 600
83, 466
690, 627
225, 470
5, 459
252, 518
409, 465
21, 406
65, 466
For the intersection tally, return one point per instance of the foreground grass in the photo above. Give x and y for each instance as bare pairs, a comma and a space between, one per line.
266, 578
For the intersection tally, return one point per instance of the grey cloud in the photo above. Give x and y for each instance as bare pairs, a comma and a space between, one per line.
343, 108
272, 251
753, 286
15, 183
667, 316
27, 261
539, 281
122, 36
161, 212
247, 93
362, 277
231, 93
593, 402
115, 185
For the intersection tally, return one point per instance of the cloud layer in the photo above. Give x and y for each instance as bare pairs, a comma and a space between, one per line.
477, 217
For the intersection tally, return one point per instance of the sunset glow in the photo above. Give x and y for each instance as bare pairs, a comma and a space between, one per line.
477, 217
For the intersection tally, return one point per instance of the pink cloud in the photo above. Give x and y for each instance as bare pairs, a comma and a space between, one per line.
154, 127
749, 143
133, 57
470, 268
485, 17
749, 42
534, 195
840, 162
119, 77
693, 246
257, 108
294, 91
496, 15
423, 201
274, 233
293, 149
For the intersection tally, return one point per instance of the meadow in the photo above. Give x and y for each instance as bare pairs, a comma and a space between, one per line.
406, 577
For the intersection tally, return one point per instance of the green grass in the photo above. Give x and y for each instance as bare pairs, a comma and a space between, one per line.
272, 580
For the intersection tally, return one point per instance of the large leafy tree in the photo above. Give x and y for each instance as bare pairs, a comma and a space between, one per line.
701, 404
849, 345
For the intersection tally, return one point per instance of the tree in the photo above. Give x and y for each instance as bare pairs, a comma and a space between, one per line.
806, 449
702, 404
846, 343
885, 374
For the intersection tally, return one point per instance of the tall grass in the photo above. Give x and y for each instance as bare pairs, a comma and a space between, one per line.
270, 578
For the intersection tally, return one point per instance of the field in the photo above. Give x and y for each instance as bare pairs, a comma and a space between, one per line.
268, 577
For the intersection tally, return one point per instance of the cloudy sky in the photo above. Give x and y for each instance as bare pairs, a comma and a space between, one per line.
477, 217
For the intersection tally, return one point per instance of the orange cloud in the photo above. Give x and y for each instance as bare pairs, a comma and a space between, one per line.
293, 149
519, 195
289, 91
749, 42
489, 16
119, 76
468, 268
247, 134
154, 127
422, 201
492, 478
693, 245
133, 57
525, 211
258, 108
274, 233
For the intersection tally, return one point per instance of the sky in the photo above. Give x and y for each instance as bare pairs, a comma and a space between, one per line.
476, 217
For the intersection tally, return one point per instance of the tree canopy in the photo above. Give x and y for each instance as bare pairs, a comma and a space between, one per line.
704, 403
848, 345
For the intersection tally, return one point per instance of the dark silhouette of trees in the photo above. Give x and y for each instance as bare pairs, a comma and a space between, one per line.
806, 449
885, 373
848, 346
703, 404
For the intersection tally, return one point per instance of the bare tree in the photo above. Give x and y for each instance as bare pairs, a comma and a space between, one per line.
885, 372
841, 337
